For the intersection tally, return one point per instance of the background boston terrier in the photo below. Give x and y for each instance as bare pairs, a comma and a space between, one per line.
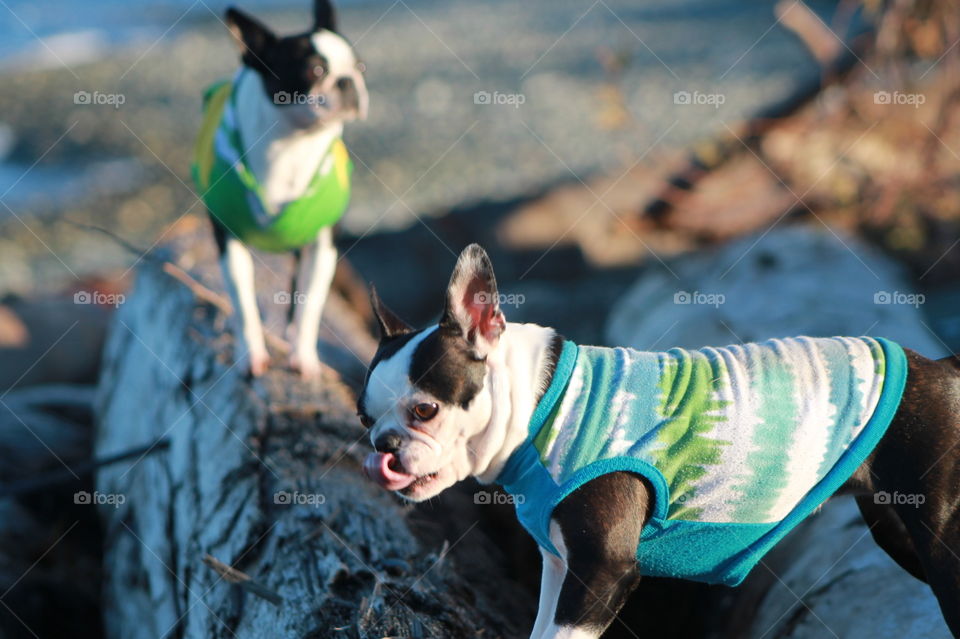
685, 463
274, 173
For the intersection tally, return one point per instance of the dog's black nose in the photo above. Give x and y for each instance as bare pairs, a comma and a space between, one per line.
388, 443
348, 89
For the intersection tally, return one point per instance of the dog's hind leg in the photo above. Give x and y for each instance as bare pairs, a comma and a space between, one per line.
318, 262
916, 468
891, 534
937, 540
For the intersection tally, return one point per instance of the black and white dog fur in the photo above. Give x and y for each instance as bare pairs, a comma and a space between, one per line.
288, 141
454, 400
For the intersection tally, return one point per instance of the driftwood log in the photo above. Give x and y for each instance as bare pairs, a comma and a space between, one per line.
256, 521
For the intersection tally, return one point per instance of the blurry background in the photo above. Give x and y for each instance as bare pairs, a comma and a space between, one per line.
495, 101
595, 81
645, 172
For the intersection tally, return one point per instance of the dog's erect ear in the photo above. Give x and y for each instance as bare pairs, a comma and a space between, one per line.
323, 16
390, 324
252, 36
473, 302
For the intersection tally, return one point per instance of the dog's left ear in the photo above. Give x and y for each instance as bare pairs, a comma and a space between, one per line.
390, 323
324, 16
252, 36
473, 302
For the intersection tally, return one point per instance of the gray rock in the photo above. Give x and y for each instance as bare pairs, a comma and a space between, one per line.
790, 281
838, 583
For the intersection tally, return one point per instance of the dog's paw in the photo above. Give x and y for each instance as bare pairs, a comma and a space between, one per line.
258, 363
307, 364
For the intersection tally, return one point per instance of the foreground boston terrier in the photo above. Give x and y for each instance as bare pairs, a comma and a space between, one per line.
687, 464
273, 172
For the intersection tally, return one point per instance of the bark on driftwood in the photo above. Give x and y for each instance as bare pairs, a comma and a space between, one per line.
256, 522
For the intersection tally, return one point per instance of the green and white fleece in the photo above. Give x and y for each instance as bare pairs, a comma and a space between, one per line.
235, 198
739, 443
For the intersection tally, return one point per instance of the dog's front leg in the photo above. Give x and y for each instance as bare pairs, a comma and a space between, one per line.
237, 265
596, 530
597, 579
551, 580
317, 265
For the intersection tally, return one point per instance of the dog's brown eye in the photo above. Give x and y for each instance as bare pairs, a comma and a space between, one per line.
365, 421
425, 411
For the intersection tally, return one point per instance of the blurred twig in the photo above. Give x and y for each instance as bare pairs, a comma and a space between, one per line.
714, 153
806, 25
65, 475
242, 579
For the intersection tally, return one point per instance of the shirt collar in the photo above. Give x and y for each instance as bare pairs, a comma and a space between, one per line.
543, 413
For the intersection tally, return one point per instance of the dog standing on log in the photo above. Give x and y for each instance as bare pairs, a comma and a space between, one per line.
689, 464
274, 173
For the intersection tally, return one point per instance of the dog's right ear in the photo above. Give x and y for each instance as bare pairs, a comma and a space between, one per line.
252, 36
473, 302
390, 324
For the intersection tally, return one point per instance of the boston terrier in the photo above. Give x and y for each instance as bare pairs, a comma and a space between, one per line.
689, 464
274, 173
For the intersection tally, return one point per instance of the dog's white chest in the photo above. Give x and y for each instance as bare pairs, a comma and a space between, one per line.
282, 158
289, 166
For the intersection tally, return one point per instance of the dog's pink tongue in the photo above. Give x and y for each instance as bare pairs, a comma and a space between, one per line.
377, 468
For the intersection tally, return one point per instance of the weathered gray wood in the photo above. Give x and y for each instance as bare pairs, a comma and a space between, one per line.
827, 578
345, 562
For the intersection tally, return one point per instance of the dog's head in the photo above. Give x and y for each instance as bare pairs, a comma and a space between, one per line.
426, 399
312, 78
